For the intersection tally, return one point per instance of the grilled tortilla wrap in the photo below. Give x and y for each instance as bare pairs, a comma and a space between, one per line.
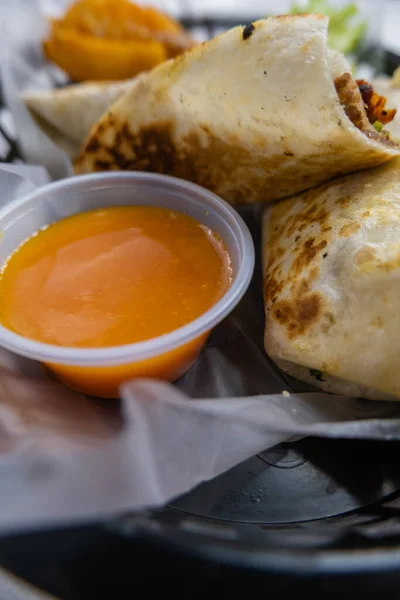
67, 114
331, 260
256, 114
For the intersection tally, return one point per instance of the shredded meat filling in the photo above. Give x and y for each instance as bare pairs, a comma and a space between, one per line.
363, 106
351, 100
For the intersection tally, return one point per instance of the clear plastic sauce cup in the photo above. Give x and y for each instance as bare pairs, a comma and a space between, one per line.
101, 371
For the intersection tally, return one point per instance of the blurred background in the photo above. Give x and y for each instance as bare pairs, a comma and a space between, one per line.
365, 30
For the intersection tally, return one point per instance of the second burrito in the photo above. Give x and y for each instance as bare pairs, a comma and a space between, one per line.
332, 284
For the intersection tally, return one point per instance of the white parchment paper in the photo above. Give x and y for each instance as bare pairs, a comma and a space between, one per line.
23, 67
66, 458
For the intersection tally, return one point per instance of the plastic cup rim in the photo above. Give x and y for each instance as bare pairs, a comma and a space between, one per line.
144, 350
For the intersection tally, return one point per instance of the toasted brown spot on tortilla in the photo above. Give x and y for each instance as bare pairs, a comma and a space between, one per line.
377, 322
299, 315
248, 30
389, 265
348, 229
102, 165
300, 15
299, 288
328, 321
309, 251
205, 128
272, 287
93, 145
199, 157
116, 154
364, 255
344, 201
308, 218
118, 138
126, 133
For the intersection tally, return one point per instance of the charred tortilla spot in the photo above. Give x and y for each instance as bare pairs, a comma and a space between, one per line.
300, 288
102, 165
206, 129
151, 147
198, 158
299, 315
118, 139
288, 153
125, 132
329, 320
93, 145
308, 252
364, 255
319, 17
348, 229
272, 288
345, 201
390, 265
248, 30
116, 155
377, 322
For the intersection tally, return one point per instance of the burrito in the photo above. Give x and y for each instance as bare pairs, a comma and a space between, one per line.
256, 114
331, 260
67, 114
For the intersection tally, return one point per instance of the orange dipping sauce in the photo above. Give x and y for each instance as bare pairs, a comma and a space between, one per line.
114, 276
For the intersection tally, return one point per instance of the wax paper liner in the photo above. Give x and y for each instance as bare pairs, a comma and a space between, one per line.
23, 26
65, 458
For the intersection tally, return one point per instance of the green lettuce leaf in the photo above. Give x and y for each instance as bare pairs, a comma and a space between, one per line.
346, 30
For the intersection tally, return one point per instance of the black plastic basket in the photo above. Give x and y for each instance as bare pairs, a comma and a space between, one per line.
317, 518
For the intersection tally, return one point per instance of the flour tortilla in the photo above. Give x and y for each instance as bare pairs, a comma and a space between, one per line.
253, 115
331, 260
67, 114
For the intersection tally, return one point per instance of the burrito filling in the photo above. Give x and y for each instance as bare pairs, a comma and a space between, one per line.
365, 108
